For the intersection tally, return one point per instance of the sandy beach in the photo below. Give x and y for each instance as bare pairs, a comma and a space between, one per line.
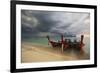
38, 53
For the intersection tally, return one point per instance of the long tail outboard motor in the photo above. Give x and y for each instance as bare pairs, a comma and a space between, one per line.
81, 42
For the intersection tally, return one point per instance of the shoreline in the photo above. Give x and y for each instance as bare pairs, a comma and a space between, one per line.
38, 53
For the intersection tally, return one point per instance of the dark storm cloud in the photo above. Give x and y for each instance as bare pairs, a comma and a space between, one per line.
74, 23
41, 23
35, 22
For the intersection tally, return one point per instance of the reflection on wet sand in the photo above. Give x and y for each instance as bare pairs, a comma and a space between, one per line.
38, 53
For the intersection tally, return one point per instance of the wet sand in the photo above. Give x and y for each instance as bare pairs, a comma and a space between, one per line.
39, 53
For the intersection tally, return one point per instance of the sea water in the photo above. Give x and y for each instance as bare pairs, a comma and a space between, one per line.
44, 41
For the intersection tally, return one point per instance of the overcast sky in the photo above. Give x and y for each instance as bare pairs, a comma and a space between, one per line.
41, 23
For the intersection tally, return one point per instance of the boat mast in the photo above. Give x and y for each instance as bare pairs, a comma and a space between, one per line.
62, 42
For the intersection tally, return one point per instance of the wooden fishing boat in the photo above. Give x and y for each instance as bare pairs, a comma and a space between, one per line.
67, 43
